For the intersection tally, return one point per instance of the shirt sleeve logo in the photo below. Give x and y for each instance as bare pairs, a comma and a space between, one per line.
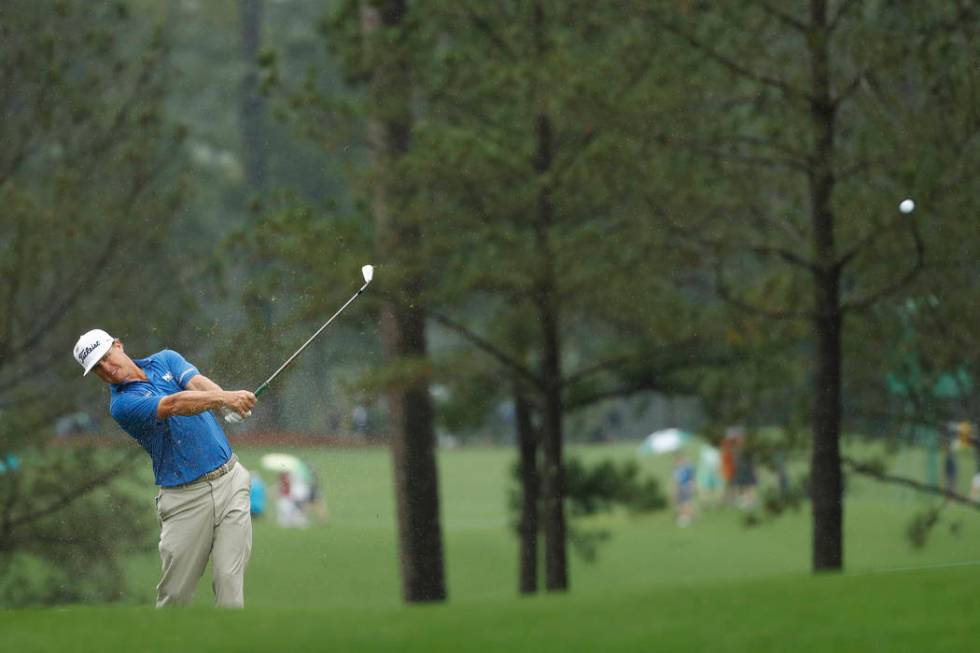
168, 377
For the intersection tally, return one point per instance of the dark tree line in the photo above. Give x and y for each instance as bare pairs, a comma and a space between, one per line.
587, 202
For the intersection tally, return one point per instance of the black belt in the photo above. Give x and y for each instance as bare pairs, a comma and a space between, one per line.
210, 476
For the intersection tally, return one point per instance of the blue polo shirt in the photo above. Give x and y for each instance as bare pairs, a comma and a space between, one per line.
182, 448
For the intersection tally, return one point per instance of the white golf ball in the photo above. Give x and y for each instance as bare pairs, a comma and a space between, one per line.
906, 206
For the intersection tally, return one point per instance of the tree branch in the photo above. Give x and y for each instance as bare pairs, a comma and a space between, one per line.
865, 302
726, 294
791, 162
841, 10
619, 392
867, 241
786, 225
721, 287
849, 89
787, 255
782, 16
875, 473
729, 63
601, 366
82, 280
11, 500
484, 26
859, 166
647, 383
586, 142
487, 347
75, 493
792, 153
680, 350
13, 288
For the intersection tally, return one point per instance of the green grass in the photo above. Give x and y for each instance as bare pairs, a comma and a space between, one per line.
912, 611
712, 585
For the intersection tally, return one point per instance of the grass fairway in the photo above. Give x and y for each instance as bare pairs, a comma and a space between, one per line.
714, 585
932, 610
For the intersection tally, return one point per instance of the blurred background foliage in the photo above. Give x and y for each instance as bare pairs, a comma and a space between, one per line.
195, 175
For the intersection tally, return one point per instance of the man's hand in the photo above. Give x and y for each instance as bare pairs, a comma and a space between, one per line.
239, 406
240, 401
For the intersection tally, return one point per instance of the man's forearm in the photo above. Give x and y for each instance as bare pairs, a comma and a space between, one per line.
190, 402
204, 394
201, 382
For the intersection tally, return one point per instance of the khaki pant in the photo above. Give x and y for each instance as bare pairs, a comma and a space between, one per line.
207, 519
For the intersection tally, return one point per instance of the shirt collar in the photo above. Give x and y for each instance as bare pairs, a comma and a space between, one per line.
143, 363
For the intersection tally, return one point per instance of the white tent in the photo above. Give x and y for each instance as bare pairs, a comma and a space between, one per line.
664, 441
281, 462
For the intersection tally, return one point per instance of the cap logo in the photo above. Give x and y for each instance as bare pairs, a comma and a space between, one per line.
88, 350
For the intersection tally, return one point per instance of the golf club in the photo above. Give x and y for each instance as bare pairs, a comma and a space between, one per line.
367, 271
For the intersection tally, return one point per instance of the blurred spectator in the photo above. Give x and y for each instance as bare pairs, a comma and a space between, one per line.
9, 463
964, 433
359, 419
289, 514
257, 495
728, 444
933, 462
709, 474
782, 475
745, 478
76, 423
950, 471
315, 500
684, 490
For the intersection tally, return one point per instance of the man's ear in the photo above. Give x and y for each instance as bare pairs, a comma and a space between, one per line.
118, 343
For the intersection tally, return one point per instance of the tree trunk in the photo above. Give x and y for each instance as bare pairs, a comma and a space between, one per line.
252, 103
413, 450
403, 318
527, 441
254, 157
556, 562
825, 466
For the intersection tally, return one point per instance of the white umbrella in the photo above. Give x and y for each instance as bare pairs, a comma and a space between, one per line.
281, 462
664, 441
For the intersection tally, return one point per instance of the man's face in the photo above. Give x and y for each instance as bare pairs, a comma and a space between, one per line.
113, 367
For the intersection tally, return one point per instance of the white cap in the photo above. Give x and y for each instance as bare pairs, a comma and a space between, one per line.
91, 347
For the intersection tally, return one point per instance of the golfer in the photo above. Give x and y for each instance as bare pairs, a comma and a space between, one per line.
203, 502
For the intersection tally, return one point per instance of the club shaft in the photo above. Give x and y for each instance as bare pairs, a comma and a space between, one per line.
265, 386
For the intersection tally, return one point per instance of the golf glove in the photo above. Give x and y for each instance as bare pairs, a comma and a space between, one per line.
234, 417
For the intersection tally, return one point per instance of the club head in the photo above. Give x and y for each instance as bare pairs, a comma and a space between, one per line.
367, 271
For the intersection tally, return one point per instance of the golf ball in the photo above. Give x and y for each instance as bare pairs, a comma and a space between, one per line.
906, 206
